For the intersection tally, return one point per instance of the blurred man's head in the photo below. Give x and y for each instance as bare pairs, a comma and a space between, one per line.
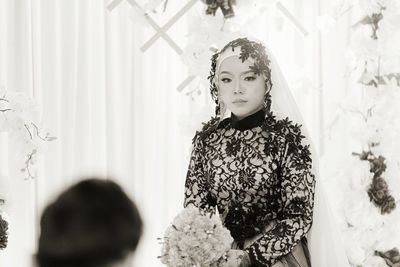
92, 224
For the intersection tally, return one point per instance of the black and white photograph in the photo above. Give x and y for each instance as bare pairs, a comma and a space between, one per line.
199, 133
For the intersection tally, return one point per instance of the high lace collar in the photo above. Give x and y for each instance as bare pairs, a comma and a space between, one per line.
249, 122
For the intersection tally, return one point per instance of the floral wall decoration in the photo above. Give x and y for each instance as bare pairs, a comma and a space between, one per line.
378, 191
218, 22
367, 185
3, 230
19, 119
391, 257
377, 73
226, 7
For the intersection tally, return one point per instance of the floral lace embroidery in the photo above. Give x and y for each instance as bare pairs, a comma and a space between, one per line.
255, 177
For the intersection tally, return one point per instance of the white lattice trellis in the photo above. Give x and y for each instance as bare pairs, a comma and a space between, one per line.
161, 32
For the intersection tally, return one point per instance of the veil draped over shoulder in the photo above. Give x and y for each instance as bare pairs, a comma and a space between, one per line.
324, 238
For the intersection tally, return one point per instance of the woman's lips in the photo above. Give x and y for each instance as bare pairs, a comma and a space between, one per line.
239, 101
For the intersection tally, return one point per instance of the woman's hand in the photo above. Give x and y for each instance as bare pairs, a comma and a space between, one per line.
236, 258
245, 260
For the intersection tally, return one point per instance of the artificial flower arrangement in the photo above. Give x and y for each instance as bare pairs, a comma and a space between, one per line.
19, 116
3, 232
378, 191
224, 5
195, 238
370, 236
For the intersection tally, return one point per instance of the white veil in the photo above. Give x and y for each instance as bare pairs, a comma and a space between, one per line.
324, 238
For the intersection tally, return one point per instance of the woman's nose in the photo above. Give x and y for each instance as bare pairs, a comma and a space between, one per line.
238, 88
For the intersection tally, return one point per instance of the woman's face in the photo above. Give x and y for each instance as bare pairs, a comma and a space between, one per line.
241, 90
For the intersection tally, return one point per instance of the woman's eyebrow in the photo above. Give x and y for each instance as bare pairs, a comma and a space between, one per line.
245, 72
248, 71
226, 72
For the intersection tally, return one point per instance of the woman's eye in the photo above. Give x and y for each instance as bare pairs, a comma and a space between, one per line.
250, 78
226, 80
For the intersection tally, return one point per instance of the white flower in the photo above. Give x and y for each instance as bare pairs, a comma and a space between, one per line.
373, 6
195, 239
355, 253
389, 35
374, 261
362, 44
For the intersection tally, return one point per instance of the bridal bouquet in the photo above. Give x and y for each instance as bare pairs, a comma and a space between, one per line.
195, 238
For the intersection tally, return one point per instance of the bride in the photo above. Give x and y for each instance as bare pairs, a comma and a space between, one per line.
255, 166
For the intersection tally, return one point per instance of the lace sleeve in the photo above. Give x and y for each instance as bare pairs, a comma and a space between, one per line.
297, 185
197, 188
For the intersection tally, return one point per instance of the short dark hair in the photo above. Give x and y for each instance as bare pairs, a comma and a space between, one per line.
93, 223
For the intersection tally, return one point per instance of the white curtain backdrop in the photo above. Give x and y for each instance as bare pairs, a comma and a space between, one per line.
115, 110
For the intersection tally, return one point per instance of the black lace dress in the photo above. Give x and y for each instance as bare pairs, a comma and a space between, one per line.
257, 173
